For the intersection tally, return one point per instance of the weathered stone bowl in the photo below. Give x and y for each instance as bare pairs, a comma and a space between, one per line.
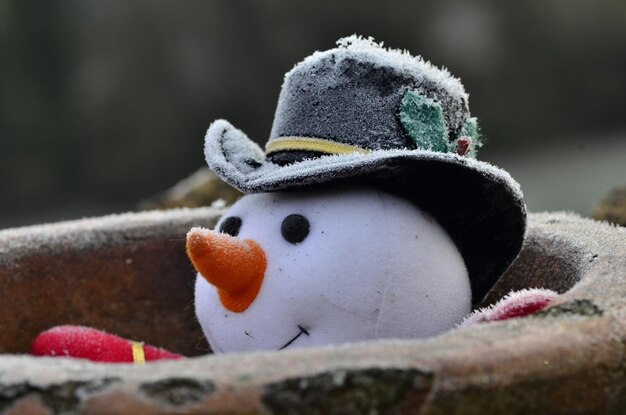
129, 275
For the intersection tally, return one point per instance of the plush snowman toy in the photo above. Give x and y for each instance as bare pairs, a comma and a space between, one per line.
367, 215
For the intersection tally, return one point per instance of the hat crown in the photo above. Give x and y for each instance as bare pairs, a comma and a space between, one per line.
365, 96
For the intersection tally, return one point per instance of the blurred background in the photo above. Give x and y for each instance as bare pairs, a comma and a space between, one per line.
103, 104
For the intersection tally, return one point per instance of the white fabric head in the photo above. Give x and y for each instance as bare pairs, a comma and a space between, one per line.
372, 266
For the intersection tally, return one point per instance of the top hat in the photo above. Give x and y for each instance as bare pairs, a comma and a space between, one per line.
364, 114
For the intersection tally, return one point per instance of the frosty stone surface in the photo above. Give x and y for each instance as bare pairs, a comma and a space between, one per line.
612, 207
126, 274
569, 358
202, 188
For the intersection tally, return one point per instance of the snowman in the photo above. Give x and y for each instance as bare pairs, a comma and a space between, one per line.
365, 217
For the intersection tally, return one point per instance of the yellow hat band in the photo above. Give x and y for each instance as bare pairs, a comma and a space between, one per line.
319, 145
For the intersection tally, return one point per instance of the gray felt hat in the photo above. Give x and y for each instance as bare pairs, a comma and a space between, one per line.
364, 114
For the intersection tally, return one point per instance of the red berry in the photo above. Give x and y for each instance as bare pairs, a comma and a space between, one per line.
463, 145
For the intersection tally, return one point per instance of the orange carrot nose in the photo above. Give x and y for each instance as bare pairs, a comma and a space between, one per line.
236, 267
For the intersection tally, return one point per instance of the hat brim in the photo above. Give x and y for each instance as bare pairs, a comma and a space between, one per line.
478, 204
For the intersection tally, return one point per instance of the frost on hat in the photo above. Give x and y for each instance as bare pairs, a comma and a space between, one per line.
363, 114
357, 93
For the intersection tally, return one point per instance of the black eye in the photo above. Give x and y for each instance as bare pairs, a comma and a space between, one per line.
231, 225
294, 228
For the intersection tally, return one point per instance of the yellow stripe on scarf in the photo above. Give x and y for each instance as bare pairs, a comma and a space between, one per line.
311, 144
139, 356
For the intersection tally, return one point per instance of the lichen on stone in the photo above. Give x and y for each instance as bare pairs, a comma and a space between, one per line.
178, 391
62, 398
586, 308
376, 391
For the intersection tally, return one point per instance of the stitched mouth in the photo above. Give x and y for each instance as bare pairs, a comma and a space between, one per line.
302, 331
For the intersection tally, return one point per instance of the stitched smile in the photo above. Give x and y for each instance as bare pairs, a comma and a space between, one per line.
302, 331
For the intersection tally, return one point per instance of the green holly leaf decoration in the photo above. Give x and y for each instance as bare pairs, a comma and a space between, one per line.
422, 119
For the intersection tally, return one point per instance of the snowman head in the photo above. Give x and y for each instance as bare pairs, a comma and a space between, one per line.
342, 265
285, 270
